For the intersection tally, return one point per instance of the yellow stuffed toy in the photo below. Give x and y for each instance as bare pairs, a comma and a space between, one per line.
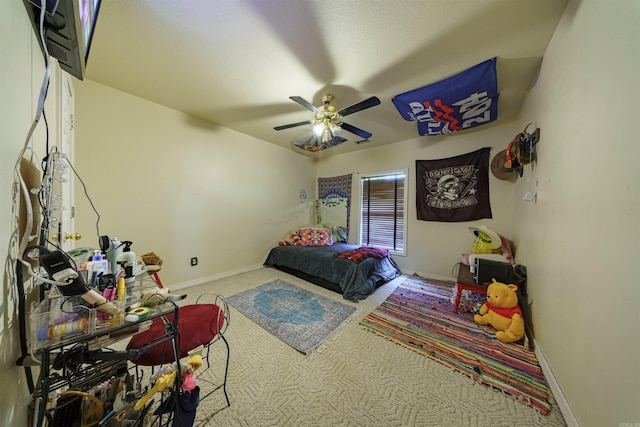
501, 311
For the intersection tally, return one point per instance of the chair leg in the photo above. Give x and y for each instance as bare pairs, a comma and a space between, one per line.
458, 295
226, 370
223, 385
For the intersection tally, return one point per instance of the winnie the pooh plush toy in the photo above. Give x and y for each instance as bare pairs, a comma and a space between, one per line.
501, 311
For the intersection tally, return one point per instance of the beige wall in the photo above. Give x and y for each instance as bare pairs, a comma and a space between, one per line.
21, 75
581, 240
182, 187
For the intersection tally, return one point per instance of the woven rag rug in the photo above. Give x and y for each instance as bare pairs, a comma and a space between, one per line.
419, 315
300, 318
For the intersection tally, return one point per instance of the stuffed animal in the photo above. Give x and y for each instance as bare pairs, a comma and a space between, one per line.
158, 296
487, 241
501, 311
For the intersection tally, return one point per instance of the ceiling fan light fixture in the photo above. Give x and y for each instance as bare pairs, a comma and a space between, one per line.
327, 136
327, 123
318, 128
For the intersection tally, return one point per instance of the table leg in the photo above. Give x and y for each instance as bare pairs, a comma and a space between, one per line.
458, 295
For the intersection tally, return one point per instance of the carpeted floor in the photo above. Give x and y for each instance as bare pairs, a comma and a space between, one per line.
358, 380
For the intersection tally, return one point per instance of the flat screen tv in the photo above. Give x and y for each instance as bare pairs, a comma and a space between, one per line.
69, 26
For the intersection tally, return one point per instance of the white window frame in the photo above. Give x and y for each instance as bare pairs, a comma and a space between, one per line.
405, 191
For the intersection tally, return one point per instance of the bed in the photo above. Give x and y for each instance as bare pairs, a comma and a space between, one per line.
352, 270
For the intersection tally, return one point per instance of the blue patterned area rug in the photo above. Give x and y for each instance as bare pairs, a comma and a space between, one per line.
298, 317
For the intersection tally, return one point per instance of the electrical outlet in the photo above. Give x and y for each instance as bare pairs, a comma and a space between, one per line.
194, 261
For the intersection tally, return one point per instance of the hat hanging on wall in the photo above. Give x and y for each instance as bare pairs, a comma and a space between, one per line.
508, 163
523, 145
513, 156
498, 168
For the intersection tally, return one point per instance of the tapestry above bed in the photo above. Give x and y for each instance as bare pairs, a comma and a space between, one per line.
337, 187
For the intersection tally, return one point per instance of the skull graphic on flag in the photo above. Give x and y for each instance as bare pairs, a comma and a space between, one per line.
454, 189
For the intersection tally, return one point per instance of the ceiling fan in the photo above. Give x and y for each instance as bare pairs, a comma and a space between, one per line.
328, 122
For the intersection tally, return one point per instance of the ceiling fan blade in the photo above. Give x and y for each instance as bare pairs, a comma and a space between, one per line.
367, 103
292, 125
357, 131
335, 141
306, 104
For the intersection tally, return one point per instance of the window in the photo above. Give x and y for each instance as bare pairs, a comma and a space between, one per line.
383, 210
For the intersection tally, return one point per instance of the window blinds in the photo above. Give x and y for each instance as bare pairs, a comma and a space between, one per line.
382, 212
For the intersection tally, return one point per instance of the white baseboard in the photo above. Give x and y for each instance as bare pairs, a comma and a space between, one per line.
207, 279
567, 413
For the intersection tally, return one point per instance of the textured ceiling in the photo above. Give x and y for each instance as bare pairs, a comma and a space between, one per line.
236, 62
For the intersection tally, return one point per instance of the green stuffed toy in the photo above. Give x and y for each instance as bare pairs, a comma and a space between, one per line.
501, 311
487, 241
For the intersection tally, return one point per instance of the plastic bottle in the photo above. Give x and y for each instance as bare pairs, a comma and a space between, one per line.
127, 260
121, 289
97, 265
113, 249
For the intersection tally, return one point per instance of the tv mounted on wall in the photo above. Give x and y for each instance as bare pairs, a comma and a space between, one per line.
69, 26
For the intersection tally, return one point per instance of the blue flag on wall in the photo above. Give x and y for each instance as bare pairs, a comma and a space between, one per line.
463, 101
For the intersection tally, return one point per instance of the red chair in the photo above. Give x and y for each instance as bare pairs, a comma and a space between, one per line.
200, 325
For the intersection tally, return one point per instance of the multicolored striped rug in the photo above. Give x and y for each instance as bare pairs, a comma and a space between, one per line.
419, 315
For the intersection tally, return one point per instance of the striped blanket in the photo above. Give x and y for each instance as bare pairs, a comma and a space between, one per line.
419, 315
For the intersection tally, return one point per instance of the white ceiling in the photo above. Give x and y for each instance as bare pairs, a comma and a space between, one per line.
236, 62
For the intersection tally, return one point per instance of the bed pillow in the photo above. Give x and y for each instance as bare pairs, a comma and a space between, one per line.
315, 236
292, 238
340, 234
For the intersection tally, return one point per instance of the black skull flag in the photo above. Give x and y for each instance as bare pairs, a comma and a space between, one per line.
454, 189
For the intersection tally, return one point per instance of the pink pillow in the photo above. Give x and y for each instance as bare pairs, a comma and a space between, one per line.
316, 236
